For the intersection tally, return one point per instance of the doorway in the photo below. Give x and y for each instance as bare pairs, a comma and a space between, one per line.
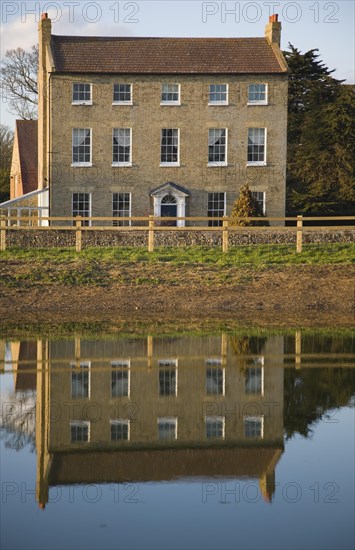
168, 209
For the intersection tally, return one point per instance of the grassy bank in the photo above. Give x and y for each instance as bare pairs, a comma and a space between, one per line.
254, 285
135, 266
329, 253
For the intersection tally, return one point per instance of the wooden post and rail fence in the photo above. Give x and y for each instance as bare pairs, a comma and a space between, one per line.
153, 224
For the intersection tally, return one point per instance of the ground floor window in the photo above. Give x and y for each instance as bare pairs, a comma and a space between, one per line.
167, 428
121, 208
79, 431
120, 430
254, 426
259, 196
81, 206
216, 208
215, 427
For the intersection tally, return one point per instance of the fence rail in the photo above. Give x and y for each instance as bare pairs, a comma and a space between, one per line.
153, 224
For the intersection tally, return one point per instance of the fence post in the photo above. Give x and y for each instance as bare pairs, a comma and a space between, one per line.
298, 349
225, 235
78, 234
2, 233
150, 351
151, 234
299, 234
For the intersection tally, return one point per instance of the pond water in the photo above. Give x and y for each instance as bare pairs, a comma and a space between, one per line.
221, 440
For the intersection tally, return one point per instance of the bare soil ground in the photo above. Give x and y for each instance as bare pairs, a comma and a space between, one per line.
278, 296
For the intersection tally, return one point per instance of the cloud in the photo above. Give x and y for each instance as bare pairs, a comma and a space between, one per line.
19, 21
18, 34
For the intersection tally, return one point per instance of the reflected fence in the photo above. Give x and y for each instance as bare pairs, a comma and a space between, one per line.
30, 229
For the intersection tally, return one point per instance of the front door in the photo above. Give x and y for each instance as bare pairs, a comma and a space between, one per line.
168, 209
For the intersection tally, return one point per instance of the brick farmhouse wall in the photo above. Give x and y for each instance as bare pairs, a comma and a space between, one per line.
147, 117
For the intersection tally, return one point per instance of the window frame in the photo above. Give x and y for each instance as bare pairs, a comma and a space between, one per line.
216, 419
85, 221
81, 101
258, 162
124, 164
120, 221
213, 163
120, 422
80, 424
121, 365
262, 202
83, 164
121, 102
76, 369
212, 222
170, 101
168, 365
253, 364
258, 101
174, 163
215, 364
254, 418
218, 102
168, 419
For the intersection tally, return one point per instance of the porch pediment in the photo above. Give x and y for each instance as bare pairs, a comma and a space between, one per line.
169, 187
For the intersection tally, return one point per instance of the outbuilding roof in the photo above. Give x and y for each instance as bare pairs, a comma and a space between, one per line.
26, 131
130, 55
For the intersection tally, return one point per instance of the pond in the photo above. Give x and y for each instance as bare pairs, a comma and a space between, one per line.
202, 440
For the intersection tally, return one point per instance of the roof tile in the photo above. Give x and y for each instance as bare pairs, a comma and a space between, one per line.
28, 153
127, 55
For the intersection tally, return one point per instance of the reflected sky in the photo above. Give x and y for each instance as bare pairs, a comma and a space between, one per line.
236, 481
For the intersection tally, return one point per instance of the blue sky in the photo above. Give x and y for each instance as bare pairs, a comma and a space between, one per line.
323, 24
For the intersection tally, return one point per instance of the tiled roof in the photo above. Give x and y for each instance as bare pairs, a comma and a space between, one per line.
75, 54
28, 153
107, 465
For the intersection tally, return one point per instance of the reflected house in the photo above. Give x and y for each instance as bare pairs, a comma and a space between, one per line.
24, 364
157, 410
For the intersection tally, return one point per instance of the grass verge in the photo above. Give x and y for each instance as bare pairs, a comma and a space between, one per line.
248, 256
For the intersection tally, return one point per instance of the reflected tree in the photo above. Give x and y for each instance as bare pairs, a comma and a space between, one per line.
312, 395
18, 420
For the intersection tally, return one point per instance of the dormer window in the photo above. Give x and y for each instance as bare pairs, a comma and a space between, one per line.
257, 94
82, 93
170, 94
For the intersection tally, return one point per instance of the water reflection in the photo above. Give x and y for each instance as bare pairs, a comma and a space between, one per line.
140, 409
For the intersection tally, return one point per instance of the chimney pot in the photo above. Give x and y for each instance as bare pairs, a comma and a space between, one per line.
274, 18
44, 16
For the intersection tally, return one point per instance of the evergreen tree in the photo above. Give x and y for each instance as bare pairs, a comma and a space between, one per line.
324, 161
320, 156
245, 207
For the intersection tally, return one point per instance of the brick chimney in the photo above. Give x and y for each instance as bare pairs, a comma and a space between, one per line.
273, 30
44, 35
45, 64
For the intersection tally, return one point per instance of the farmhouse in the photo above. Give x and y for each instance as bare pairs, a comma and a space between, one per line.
166, 126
